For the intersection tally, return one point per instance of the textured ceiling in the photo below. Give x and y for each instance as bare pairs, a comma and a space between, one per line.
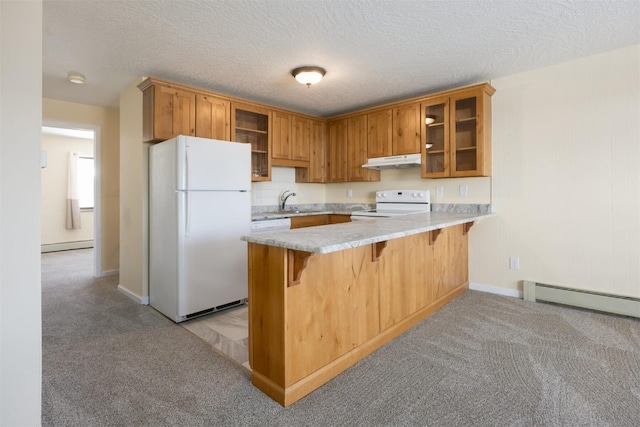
374, 51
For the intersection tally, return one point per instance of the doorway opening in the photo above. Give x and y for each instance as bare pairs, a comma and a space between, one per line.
70, 189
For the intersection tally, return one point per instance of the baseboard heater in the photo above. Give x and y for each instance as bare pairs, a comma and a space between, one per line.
66, 246
626, 306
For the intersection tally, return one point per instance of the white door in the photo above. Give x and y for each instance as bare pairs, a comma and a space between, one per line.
213, 259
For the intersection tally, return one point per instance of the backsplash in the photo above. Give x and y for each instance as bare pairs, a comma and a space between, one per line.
468, 208
266, 195
283, 179
347, 207
330, 207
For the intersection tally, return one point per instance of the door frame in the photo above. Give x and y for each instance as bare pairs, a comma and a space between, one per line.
97, 199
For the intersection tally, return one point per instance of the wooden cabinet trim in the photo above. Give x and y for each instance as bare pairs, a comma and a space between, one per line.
433, 235
377, 250
466, 226
297, 261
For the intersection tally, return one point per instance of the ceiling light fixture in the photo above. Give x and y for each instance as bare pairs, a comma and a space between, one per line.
308, 75
75, 77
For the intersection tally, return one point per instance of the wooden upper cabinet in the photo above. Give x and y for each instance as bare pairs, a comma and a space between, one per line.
281, 140
291, 136
167, 111
300, 138
213, 117
458, 142
380, 138
436, 142
406, 126
337, 151
317, 170
357, 132
251, 124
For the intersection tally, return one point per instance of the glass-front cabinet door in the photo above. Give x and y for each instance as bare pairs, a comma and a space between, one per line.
464, 141
457, 137
435, 138
251, 126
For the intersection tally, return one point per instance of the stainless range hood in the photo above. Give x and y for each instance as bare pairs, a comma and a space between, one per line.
394, 162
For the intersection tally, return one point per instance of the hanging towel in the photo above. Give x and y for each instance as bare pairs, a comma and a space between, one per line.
73, 194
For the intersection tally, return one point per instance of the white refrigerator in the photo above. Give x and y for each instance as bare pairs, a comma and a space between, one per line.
199, 206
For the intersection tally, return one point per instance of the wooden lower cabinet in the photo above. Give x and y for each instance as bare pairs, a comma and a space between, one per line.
312, 316
315, 220
309, 221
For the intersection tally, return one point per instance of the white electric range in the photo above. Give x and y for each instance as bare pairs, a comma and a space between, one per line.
395, 203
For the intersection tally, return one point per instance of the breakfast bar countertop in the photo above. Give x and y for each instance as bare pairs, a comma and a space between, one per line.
336, 237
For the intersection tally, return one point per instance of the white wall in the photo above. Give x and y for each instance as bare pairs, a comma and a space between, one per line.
566, 178
54, 190
478, 189
107, 120
20, 129
134, 236
282, 179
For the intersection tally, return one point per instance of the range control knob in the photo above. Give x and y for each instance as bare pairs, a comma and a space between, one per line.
421, 194
416, 195
383, 195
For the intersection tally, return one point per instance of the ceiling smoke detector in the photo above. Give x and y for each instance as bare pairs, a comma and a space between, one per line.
308, 75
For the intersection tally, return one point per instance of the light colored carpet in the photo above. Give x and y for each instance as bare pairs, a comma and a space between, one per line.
483, 360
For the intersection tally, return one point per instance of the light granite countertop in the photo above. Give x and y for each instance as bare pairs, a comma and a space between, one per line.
336, 237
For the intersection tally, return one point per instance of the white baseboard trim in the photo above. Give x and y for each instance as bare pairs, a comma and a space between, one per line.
65, 246
110, 273
136, 298
496, 290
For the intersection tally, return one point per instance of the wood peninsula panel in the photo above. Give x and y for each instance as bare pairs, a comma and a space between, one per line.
267, 283
312, 316
406, 278
332, 311
451, 260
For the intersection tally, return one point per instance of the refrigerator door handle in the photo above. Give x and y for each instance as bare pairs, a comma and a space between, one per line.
187, 222
186, 167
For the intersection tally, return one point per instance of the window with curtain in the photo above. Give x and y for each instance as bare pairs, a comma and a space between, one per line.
86, 176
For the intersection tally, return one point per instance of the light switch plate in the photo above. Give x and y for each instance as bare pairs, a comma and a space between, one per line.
464, 190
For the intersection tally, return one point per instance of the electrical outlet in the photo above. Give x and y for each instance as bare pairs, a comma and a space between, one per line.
514, 263
464, 190
439, 191
349, 193
303, 194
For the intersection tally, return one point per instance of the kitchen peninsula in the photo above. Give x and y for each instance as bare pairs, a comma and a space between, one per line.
322, 298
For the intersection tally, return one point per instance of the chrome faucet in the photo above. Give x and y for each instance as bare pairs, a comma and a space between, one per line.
283, 198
